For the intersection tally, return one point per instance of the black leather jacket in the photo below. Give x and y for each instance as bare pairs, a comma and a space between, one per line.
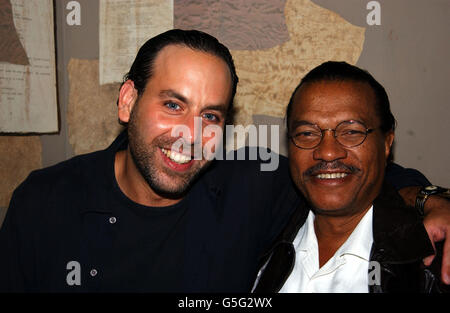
400, 244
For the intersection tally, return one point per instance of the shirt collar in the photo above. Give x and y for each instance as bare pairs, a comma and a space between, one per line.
306, 239
359, 243
95, 203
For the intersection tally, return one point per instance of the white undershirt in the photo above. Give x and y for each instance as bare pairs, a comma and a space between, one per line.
346, 271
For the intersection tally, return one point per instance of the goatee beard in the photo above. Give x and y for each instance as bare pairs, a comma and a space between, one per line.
145, 159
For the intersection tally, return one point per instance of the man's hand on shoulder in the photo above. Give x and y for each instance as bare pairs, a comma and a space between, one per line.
437, 224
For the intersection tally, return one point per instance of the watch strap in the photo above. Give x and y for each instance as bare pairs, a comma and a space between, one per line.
426, 192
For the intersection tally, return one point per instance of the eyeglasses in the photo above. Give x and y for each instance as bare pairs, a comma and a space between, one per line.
348, 133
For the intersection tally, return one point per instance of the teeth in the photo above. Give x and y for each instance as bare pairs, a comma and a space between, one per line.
175, 156
332, 176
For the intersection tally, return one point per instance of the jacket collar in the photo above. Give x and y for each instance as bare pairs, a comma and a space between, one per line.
398, 231
94, 203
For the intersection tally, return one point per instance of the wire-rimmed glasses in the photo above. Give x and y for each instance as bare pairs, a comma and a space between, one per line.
349, 134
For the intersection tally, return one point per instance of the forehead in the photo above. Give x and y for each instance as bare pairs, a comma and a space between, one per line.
198, 76
330, 102
177, 57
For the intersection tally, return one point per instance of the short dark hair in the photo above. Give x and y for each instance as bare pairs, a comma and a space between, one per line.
342, 71
142, 68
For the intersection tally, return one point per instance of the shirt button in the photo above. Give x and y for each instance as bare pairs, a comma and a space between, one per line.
93, 272
112, 220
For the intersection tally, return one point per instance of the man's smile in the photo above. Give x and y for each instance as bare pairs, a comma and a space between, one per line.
331, 170
176, 157
331, 175
176, 161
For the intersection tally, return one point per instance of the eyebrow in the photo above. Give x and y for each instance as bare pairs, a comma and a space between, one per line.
222, 108
298, 123
170, 93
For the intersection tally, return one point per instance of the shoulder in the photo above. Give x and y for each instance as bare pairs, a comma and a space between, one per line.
261, 174
49, 201
266, 192
55, 187
75, 170
86, 169
251, 164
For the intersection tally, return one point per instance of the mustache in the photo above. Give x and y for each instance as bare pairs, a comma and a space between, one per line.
323, 166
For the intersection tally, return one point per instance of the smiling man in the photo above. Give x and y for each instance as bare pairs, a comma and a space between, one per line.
358, 236
147, 214
186, 83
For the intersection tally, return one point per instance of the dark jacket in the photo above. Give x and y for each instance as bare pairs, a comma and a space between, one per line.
400, 242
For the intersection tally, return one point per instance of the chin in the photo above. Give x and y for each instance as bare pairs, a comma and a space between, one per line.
173, 186
335, 207
330, 211
171, 191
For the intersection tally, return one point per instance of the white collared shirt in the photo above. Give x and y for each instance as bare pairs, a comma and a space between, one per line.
346, 271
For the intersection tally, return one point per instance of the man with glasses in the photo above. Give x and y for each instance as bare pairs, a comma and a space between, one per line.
358, 235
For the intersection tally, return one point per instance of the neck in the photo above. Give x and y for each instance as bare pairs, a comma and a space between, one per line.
133, 185
333, 231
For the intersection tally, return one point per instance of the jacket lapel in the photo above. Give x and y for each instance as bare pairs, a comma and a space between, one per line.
279, 261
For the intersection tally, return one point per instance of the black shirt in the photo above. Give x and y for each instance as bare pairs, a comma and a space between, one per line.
148, 247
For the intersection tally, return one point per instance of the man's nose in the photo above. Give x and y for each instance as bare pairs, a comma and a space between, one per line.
329, 148
194, 125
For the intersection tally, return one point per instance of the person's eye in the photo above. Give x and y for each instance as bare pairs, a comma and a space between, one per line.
211, 117
306, 134
172, 105
352, 132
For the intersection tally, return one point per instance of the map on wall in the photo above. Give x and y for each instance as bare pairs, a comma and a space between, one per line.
28, 101
124, 26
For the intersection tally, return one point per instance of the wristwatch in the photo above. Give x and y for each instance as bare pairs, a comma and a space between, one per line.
425, 192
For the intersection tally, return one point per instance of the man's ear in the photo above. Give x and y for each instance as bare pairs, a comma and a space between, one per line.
388, 143
127, 99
